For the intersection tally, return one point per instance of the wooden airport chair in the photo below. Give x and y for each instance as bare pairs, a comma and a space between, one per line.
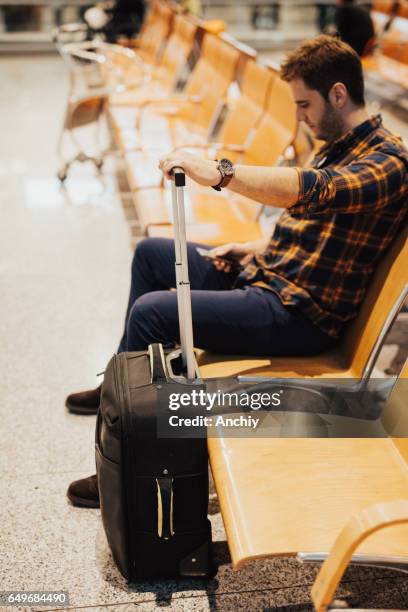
204, 97
214, 219
176, 53
123, 120
152, 41
206, 88
123, 107
183, 44
356, 353
140, 70
143, 38
359, 528
403, 10
163, 77
382, 6
242, 116
197, 96
281, 496
240, 123
90, 85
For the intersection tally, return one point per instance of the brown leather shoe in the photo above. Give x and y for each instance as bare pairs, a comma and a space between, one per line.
84, 493
84, 402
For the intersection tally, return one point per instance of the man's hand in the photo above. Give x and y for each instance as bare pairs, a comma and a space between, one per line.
202, 171
240, 253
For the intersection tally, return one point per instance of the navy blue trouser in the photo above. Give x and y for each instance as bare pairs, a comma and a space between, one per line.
246, 321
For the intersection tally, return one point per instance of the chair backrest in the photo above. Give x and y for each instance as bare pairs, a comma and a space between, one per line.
403, 10
214, 71
384, 296
178, 48
155, 34
394, 43
395, 415
148, 21
277, 127
256, 82
382, 6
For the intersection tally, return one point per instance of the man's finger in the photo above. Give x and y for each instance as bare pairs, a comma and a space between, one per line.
168, 166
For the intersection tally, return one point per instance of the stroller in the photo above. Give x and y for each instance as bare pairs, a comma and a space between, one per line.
96, 70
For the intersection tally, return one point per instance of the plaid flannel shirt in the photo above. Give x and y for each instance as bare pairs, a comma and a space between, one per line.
352, 203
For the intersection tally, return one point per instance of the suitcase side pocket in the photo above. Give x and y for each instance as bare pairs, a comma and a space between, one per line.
190, 503
110, 493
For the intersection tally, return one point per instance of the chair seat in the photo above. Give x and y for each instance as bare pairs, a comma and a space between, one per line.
212, 234
134, 97
274, 492
211, 218
122, 116
142, 171
326, 365
154, 136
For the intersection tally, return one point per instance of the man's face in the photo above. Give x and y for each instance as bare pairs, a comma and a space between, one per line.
324, 121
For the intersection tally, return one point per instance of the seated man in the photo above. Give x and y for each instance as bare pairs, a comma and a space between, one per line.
296, 295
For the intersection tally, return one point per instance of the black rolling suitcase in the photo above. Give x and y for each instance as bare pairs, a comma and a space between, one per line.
154, 490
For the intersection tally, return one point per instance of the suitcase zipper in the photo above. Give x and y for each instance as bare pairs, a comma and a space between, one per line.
126, 454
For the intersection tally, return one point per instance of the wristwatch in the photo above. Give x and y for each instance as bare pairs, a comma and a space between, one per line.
227, 171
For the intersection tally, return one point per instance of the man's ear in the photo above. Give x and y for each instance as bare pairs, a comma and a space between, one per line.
338, 95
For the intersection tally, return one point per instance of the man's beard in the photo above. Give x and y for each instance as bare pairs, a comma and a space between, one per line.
331, 126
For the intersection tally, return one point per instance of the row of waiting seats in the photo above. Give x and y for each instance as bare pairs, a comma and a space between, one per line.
258, 128
277, 496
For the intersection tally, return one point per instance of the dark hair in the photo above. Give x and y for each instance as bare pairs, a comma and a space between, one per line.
324, 61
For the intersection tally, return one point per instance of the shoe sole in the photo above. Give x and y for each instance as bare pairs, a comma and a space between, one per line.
82, 410
81, 502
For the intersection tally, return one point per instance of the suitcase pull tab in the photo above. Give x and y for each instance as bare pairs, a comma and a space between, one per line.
165, 507
158, 367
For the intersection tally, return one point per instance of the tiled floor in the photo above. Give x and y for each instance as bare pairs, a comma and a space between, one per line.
64, 261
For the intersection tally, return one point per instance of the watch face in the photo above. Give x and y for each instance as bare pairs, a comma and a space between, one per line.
226, 166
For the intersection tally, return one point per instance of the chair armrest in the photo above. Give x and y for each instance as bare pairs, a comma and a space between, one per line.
236, 148
171, 100
360, 527
163, 100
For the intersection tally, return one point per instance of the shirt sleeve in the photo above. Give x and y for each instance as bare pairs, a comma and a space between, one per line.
367, 185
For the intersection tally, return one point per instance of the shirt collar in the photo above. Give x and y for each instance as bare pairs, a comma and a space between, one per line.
350, 138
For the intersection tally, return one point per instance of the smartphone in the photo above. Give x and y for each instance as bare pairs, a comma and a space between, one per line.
232, 261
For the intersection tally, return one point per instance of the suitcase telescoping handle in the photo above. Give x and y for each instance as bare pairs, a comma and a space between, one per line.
182, 280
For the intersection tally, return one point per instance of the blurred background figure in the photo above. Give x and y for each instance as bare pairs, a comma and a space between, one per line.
265, 16
325, 14
192, 6
354, 25
18, 20
122, 18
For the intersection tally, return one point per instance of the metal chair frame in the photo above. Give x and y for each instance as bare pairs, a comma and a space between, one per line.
89, 62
